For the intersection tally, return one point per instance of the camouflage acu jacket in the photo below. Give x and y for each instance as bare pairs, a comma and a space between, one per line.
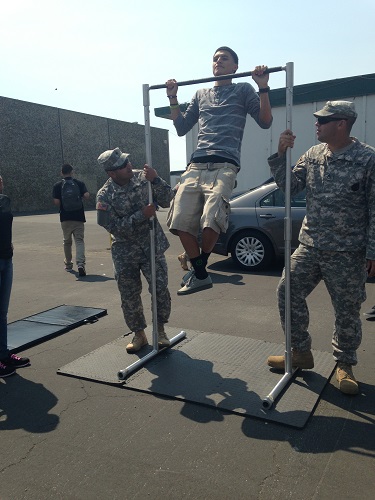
340, 196
119, 211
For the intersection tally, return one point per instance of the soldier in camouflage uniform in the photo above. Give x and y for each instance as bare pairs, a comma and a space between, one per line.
337, 237
123, 209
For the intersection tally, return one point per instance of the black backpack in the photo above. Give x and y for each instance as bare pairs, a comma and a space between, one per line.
70, 195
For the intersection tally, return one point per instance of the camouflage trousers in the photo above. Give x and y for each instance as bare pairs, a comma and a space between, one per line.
344, 274
128, 277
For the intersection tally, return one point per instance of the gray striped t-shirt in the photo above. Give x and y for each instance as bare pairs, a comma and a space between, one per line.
221, 115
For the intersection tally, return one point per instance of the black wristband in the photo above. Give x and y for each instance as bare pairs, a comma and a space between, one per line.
264, 91
172, 96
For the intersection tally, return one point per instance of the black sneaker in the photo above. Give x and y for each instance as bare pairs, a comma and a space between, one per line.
81, 270
5, 370
370, 314
14, 361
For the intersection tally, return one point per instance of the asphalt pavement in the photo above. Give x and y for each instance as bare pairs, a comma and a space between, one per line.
68, 438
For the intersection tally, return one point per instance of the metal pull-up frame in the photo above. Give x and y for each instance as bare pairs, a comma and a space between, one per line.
123, 374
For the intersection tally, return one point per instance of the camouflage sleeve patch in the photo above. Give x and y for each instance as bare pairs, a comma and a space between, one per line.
102, 206
103, 218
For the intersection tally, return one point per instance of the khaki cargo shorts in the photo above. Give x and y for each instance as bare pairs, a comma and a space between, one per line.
202, 200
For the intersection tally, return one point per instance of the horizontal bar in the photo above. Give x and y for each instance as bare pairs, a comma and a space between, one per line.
268, 401
217, 78
123, 374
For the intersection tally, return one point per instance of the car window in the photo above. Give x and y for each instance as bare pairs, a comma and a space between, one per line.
299, 200
277, 199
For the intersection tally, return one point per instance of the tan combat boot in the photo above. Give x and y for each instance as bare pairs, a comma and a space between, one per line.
163, 340
302, 360
346, 380
139, 340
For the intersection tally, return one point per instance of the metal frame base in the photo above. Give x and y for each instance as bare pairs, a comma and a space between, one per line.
222, 372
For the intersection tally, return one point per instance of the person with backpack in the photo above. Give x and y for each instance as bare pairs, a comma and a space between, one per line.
68, 195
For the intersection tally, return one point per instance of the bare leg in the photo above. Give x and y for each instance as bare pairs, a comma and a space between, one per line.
209, 239
190, 244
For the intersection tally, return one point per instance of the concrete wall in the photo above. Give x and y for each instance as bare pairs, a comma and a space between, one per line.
35, 141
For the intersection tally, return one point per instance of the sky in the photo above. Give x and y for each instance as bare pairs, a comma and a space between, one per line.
94, 56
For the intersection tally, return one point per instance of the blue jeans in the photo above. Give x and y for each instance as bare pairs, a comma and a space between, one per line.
6, 280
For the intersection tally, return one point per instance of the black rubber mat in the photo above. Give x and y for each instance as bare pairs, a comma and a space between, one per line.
42, 326
225, 372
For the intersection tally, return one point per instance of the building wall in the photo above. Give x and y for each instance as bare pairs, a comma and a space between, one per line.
35, 141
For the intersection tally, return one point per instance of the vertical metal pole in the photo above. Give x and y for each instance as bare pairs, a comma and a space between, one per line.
123, 374
288, 220
269, 400
146, 105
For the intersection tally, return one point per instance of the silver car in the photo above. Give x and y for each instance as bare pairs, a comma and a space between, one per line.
255, 235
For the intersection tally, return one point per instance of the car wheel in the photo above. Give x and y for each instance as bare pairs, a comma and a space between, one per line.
252, 251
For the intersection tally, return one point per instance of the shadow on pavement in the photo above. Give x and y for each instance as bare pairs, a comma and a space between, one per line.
26, 405
91, 278
329, 433
228, 266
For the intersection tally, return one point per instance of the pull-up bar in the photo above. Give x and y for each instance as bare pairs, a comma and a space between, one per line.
268, 401
218, 78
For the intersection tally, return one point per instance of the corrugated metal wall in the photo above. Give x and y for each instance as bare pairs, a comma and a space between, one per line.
259, 144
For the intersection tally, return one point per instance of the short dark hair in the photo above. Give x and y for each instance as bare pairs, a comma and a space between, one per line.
231, 52
66, 169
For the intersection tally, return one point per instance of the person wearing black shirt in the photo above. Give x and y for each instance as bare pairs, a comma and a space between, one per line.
8, 362
72, 222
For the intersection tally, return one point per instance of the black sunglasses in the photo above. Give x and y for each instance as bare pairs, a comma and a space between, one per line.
322, 120
124, 164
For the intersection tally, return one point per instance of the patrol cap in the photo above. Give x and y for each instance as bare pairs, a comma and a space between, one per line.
346, 109
112, 159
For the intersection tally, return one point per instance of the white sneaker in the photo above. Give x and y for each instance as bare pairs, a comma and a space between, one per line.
195, 285
187, 276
